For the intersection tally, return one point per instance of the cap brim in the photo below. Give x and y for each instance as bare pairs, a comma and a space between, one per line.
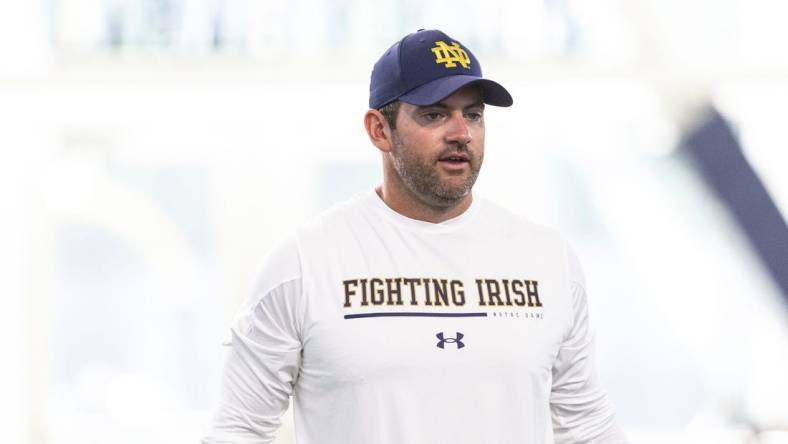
438, 89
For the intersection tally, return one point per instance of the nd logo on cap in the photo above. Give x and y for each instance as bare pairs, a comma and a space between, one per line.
450, 55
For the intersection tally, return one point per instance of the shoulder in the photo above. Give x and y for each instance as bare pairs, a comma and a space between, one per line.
333, 221
280, 273
501, 219
539, 237
280, 264
285, 260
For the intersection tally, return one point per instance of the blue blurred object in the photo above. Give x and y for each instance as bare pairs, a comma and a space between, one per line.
719, 158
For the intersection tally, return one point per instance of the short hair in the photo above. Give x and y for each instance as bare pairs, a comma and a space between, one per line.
390, 112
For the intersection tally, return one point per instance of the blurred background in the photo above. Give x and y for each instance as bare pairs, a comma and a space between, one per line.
153, 150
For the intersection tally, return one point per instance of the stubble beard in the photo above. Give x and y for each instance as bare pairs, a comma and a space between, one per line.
420, 176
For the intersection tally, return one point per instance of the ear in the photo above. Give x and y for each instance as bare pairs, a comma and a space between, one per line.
378, 130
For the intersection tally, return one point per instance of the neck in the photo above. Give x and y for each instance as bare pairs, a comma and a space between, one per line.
410, 206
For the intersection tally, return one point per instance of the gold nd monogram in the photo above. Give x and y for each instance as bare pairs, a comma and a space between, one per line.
450, 55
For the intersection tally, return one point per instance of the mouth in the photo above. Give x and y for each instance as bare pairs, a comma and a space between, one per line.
455, 163
455, 158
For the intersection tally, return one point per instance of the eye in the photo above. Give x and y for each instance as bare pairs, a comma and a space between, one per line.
432, 116
474, 116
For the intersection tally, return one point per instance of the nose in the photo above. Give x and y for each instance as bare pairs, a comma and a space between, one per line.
458, 131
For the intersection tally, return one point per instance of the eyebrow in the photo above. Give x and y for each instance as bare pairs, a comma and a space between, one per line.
441, 105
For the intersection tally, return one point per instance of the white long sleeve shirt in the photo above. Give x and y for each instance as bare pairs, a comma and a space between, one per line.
390, 330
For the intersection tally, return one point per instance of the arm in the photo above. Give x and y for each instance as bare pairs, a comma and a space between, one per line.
580, 409
263, 360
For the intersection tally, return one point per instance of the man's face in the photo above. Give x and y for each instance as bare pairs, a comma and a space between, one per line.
437, 150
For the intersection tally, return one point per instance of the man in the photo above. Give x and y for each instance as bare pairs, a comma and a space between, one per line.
416, 313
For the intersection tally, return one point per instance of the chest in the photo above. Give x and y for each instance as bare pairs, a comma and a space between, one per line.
461, 312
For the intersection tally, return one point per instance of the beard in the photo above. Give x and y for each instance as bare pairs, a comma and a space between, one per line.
421, 177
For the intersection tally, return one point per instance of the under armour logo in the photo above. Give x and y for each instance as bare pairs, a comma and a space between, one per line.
450, 55
450, 340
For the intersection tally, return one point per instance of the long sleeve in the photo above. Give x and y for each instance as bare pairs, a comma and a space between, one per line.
264, 358
581, 411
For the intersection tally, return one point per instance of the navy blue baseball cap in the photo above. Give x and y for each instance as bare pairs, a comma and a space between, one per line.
427, 66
